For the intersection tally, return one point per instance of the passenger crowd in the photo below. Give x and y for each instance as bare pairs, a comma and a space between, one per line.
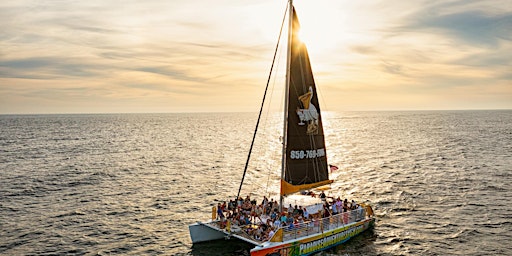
262, 220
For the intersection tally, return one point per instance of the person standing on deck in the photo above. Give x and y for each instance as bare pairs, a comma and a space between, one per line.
220, 213
305, 214
334, 208
339, 204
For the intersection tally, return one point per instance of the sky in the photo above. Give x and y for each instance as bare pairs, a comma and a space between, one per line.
153, 56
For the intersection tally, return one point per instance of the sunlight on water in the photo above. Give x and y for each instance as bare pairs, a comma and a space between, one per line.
131, 184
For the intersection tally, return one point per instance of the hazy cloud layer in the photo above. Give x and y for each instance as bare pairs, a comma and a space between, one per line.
174, 56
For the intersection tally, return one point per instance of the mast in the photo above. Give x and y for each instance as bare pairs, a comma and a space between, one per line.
285, 123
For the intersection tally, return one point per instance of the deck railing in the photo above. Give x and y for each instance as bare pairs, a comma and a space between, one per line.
322, 225
304, 229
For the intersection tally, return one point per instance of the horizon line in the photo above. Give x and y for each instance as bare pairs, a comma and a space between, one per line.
247, 112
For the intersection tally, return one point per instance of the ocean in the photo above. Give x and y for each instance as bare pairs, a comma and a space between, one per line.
440, 182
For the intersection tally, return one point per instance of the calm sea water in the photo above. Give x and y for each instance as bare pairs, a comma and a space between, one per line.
130, 184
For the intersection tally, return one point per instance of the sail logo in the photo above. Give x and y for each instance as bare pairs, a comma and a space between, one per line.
307, 154
308, 113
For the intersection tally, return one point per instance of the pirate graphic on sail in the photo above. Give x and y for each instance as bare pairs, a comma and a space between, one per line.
309, 113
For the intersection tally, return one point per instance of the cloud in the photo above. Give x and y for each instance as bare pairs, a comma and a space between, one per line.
218, 53
471, 27
46, 68
441, 38
493, 58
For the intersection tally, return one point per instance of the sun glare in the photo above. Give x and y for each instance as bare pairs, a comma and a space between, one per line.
322, 29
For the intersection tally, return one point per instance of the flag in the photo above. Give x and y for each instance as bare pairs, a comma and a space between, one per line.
333, 168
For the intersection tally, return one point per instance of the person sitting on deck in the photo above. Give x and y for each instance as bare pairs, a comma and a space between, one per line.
269, 223
246, 206
277, 223
270, 234
273, 215
289, 219
267, 210
291, 226
283, 218
241, 220
247, 219
258, 234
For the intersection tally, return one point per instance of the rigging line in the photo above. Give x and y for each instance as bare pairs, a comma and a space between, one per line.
268, 111
262, 104
321, 97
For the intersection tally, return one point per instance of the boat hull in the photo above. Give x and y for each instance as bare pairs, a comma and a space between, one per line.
202, 233
314, 243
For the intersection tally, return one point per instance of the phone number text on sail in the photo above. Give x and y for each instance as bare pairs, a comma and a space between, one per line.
307, 154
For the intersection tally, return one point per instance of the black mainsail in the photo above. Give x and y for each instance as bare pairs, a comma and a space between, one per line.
304, 160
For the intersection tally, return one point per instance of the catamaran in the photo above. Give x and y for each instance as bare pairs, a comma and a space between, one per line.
304, 168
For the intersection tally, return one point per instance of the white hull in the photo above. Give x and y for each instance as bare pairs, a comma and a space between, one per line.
201, 233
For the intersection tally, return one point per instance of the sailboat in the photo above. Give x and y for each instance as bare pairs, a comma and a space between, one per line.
304, 169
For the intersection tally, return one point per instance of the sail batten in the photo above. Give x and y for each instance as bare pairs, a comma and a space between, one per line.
305, 155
